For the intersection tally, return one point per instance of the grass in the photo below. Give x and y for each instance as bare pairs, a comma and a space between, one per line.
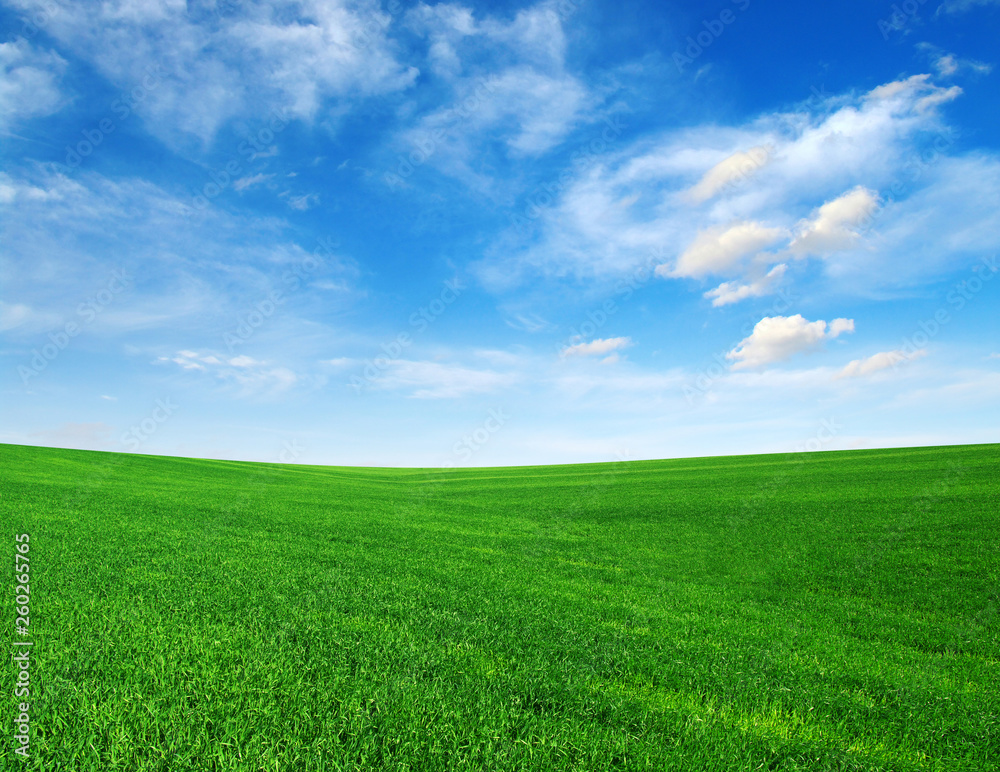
823, 611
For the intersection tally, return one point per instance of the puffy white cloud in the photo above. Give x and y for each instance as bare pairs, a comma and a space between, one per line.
596, 347
29, 82
777, 338
879, 361
733, 292
611, 212
831, 228
729, 171
720, 248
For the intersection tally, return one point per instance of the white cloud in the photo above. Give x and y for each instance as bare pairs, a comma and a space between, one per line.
434, 380
303, 203
733, 292
615, 211
528, 322
244, 183
199, 70
777, 338
508, 83
728, 171
948, 64
66, 236
720, 248
21, 315
244, 375
879, 361
831, 228
29, 82
961, 6
597, 347
445, 25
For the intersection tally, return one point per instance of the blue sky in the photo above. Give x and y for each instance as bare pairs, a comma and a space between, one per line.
414, 234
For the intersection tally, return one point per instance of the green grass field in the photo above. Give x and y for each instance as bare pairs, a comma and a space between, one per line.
824, 611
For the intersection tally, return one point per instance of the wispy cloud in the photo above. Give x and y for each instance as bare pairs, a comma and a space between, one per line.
961, 6
506, 79
597, 347
29, 82
437, 380
880, 361
250, 181
248, 377
184, 267
254, 59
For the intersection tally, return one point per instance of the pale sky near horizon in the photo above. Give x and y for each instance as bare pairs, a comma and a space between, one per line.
399, 233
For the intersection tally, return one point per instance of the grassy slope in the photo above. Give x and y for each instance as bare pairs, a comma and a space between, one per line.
829, 611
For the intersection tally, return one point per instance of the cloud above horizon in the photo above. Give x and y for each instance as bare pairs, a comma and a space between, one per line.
823, 179
881, 361
778, 338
